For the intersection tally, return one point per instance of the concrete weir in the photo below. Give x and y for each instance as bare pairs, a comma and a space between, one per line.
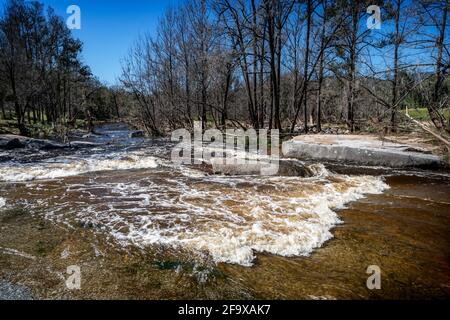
359, 149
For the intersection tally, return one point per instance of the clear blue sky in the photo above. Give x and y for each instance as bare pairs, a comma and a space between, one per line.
109, 28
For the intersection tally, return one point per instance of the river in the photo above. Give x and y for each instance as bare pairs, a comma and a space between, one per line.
225, 236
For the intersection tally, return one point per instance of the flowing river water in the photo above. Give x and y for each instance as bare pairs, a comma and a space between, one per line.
225, 236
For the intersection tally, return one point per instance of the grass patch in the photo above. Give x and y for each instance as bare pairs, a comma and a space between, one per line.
80, 124
421, 114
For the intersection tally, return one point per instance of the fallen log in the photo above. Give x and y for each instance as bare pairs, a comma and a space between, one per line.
429, 130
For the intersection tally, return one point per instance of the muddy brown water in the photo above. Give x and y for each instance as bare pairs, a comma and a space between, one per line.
163, 233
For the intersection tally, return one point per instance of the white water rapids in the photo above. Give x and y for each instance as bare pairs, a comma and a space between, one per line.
143, 200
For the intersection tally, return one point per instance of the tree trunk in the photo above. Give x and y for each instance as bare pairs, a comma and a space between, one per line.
352, 72
306, 71
255, 64
224, 115
395, 81
321, 69
273, 64
2, 104
435, 116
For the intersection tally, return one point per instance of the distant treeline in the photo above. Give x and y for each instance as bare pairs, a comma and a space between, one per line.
292, 65
42, 79
279, 64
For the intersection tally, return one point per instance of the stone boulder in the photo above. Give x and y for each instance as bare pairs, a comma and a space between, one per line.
358, 150
137, 134
14, 144
285, 168
10, 142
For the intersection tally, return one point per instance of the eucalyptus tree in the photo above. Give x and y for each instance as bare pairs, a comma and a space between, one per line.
40, 64
434, 38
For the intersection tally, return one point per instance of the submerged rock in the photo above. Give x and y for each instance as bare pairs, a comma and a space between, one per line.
84, 144
11, 141
50, 145
284, 167
294, 168
14, 144
250, 168
10, 291
137, 134
90, 135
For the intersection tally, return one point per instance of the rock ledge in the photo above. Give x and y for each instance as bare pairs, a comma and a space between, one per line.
359, 149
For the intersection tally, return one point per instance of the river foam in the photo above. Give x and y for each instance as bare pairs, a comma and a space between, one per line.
230, 219
2, 202
71, 166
